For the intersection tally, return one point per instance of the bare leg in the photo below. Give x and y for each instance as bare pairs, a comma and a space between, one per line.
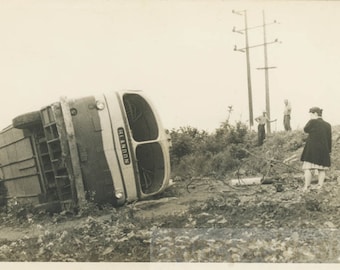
321, 177
308, 179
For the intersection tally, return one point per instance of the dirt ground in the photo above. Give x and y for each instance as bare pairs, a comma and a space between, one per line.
187, 193
195, 220
163, 206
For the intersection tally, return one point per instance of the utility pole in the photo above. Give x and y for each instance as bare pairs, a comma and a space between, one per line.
266, 75
245, 30
246, 49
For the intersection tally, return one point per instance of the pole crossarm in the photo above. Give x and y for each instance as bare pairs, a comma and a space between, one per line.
240, 12
254, 46
266, 68
240, 31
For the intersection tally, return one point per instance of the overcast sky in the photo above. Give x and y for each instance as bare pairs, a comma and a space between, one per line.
180, 53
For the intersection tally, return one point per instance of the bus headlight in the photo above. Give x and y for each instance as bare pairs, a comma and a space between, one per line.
119, 194
100, 105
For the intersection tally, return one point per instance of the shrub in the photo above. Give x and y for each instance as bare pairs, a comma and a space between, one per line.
232, 147
224, 162
193, 165
197, 153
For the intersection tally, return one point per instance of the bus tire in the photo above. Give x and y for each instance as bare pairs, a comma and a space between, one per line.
27, 120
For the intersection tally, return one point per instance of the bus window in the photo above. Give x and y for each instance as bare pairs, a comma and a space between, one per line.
141, 118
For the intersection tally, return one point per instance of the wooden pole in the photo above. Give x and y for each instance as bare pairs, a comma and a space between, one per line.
250, 96
266, 73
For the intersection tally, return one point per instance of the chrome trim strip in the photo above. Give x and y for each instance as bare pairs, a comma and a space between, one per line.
110, 149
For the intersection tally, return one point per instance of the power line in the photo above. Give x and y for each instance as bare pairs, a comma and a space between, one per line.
246, 50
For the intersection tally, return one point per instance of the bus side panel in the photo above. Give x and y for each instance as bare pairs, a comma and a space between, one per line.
20, 177
96, 174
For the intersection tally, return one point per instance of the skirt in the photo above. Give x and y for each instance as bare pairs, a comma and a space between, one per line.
311, 166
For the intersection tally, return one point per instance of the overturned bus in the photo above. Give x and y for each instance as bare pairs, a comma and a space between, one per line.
109, 148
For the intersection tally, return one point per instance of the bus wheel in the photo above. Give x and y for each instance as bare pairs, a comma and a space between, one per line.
27, 120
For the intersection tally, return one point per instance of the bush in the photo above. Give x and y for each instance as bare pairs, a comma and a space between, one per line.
193, 165
224, 162
230, 147
197, 153
186, 141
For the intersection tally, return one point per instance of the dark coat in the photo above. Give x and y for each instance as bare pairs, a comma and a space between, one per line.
319, 142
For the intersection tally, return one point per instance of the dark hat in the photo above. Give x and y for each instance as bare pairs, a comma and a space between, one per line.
316, 110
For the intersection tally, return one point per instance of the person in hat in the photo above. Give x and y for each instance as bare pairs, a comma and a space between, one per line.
318, 147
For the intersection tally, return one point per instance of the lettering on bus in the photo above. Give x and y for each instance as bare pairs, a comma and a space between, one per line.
123, 146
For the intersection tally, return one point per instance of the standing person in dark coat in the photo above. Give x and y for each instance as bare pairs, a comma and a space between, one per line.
316, 153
